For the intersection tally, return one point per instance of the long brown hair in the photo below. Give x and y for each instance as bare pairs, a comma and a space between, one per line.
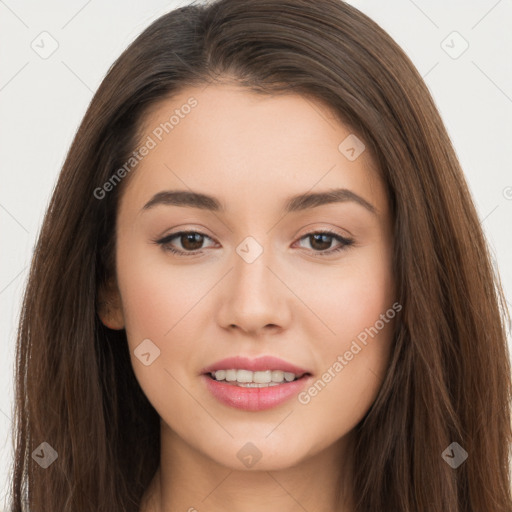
449, 375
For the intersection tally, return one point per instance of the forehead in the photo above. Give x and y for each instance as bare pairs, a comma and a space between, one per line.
248, 148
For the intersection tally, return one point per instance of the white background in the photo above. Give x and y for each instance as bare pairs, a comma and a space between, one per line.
42, 102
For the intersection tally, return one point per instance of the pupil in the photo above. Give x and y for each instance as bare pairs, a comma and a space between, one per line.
321, 237
191, 237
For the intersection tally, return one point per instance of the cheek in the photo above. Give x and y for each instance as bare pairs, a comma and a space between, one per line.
156, 300
161, 303
156, 296
351, 296
147, 309
351, 371
357, 308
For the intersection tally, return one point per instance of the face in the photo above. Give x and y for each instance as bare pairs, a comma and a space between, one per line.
297, 287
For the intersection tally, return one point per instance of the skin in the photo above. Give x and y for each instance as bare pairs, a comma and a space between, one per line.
253, 152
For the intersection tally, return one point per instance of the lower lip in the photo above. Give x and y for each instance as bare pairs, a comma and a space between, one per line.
254, 399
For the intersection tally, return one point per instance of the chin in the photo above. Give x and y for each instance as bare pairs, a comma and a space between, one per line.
260, 454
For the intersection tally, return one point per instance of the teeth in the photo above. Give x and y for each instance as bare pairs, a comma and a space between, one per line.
221, 375
259, 379
277, 376
244, 376
262, 377
230, 375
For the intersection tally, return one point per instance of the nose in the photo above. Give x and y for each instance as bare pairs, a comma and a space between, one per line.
254, 298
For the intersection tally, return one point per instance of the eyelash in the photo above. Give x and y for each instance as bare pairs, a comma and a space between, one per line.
165, 242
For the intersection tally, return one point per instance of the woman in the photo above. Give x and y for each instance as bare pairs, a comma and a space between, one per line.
262, 283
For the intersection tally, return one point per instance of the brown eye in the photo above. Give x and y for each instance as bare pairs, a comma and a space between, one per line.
190, 241
320, 242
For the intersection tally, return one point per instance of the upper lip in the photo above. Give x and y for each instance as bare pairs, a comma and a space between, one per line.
259, 364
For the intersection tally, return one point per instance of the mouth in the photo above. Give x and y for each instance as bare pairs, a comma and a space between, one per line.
254, 384
258, 379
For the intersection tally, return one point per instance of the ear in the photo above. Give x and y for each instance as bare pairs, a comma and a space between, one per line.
110, 308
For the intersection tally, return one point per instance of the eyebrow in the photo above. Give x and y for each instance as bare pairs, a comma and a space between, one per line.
293, 204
